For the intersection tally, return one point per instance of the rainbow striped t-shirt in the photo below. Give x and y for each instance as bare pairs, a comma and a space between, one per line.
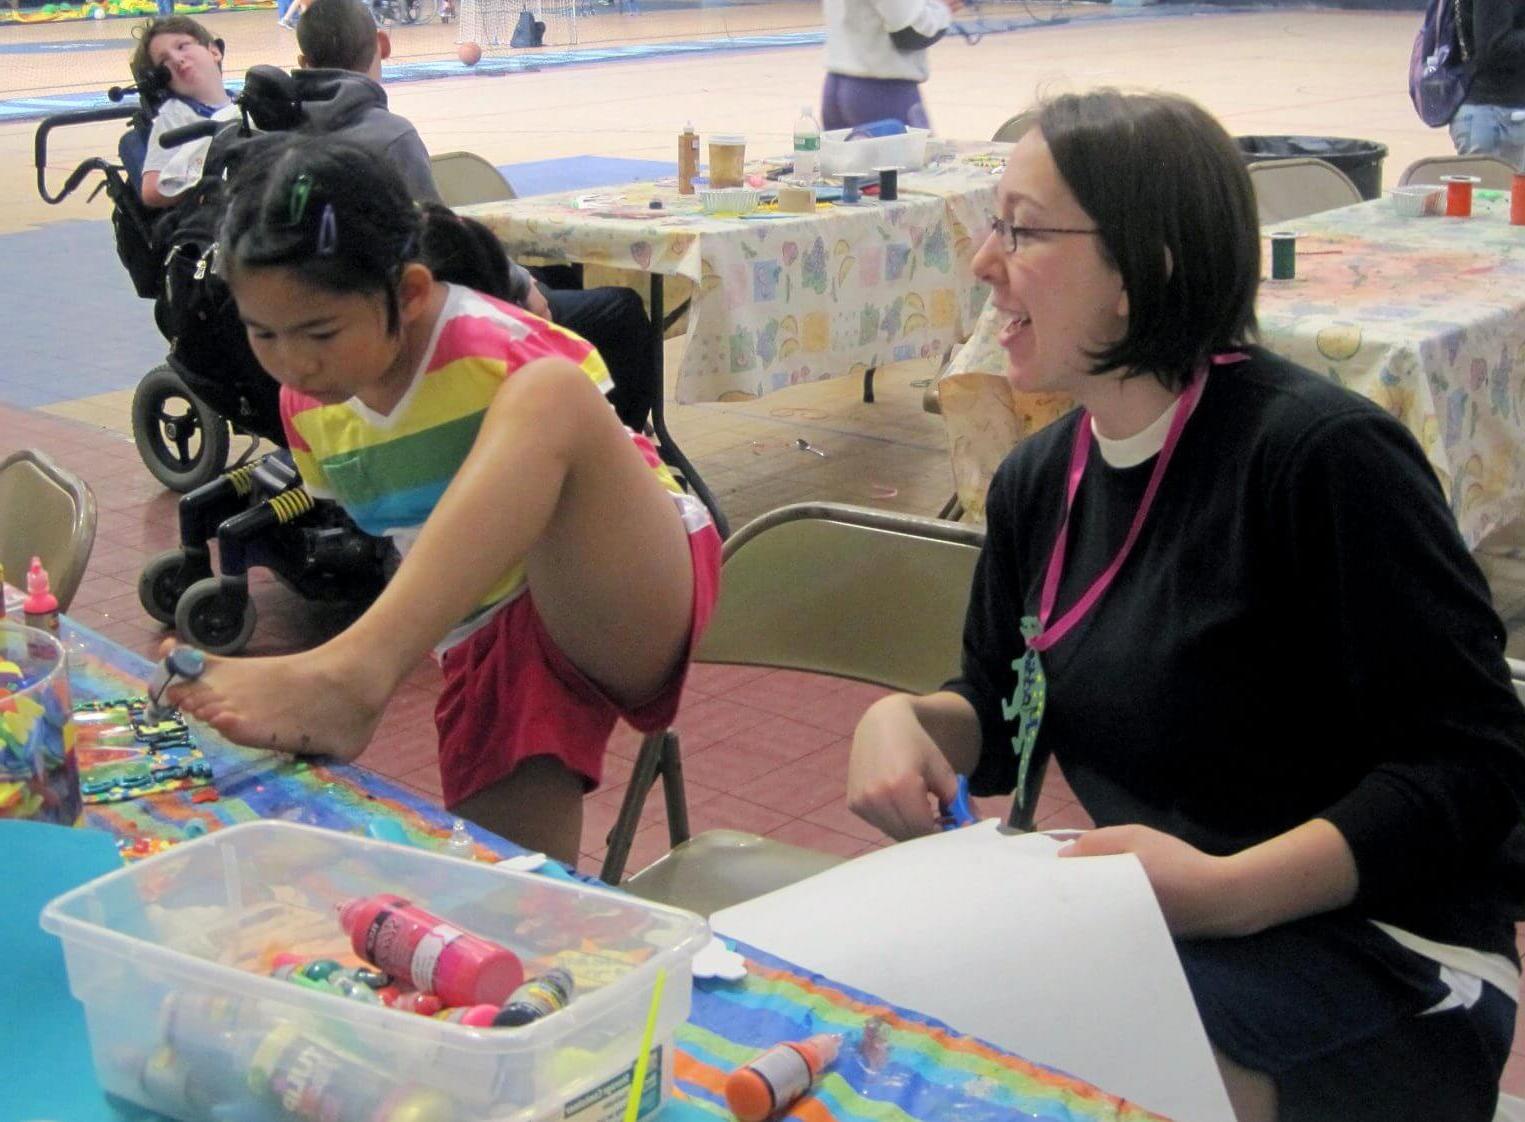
389, 471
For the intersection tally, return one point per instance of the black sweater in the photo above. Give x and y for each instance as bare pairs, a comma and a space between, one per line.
1494, 32
1298, 633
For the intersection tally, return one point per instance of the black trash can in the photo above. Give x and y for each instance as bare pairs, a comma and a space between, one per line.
1359, 159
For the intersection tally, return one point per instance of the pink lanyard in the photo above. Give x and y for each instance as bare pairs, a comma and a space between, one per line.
1079, 454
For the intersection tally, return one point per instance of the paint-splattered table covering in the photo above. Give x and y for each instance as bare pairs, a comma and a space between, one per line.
783, 299
919, 1071
1425, 316
249, 785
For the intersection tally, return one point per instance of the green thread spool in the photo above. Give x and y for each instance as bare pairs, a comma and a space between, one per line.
1283, 256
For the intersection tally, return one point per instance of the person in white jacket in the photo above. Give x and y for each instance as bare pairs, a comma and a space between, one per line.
876, 59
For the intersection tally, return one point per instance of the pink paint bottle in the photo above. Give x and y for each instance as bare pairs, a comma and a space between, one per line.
429, 954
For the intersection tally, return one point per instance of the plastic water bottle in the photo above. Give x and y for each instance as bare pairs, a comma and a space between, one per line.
807, 147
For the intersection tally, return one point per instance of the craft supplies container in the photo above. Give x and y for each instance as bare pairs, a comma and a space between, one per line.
728, 158
840, 156
1416, 200
170, 958
1283, 256
39, 774
1459, 194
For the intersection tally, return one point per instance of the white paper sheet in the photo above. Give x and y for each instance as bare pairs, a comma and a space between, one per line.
1065, 962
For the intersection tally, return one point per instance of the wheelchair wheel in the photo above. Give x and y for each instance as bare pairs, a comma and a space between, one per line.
214, 619
182, 441
161, 584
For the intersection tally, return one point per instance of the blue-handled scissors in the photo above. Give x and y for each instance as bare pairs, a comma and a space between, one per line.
958, 812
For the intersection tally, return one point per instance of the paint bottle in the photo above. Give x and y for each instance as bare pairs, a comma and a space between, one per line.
410, 1001
40, 606
770, 1084
539, 997
314, 1082
427, 953
688, 159
326, 976
476, 1016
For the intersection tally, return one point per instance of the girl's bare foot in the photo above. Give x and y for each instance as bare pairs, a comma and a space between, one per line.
306, 704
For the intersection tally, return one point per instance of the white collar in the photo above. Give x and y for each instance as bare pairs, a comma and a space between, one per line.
1134, 450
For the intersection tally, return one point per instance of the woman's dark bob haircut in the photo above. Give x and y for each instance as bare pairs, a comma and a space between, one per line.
1168, 190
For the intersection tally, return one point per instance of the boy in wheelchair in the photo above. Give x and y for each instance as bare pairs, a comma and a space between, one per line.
178, 59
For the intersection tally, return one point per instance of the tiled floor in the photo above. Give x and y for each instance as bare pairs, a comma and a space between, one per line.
762, 750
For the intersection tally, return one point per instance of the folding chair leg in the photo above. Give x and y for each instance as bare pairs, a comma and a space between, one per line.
658, 757
672, 790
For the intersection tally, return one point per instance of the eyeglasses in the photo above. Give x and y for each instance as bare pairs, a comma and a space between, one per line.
1016, 238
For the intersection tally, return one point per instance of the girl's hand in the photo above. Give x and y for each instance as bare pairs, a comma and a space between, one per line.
1193, 888
896, 771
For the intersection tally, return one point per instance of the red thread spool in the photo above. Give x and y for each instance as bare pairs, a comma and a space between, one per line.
1459, 195
1517, 201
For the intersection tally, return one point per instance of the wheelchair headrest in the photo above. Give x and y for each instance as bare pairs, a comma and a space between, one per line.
272, 99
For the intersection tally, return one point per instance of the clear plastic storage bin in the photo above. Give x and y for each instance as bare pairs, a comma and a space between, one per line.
163, 955
840, 156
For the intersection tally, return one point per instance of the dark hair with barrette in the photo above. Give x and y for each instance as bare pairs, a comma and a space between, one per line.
463, 251
332, 213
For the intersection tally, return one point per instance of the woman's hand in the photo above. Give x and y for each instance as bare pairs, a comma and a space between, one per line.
535, 302
1193, 888
1307, 870
896, 770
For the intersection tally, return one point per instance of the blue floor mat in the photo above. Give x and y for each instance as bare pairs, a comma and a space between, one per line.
73, 325
572, 173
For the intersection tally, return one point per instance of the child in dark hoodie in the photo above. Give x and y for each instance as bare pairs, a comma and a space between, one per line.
341, 51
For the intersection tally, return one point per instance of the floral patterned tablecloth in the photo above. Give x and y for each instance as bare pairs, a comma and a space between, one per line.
1425, 316
783, 299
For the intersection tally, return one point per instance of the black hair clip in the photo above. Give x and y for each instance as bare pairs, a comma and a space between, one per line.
328, 232
296, 199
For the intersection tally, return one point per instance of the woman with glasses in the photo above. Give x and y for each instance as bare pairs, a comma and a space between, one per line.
1227, 596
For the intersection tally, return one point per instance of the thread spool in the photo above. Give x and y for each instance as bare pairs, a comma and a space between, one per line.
1283, 256
852, 190
796, 198
1459, 194
889, 184
1517, 201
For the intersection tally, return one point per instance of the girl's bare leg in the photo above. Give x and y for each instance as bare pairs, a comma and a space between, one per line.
552, 479
539, 806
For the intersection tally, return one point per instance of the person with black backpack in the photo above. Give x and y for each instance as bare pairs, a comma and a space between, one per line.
1491, 119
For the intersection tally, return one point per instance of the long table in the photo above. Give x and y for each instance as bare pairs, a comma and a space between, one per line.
916, 1067
785, 298
779, 299
1425, 316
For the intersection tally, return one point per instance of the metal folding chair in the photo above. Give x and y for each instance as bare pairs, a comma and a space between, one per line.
48, 512
820, 587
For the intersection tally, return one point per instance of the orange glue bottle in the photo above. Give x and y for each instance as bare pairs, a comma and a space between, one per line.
770, 1084
427, 953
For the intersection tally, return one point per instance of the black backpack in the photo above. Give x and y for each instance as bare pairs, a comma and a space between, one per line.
1440, 69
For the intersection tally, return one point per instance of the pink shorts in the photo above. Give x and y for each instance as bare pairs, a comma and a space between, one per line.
510, 693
